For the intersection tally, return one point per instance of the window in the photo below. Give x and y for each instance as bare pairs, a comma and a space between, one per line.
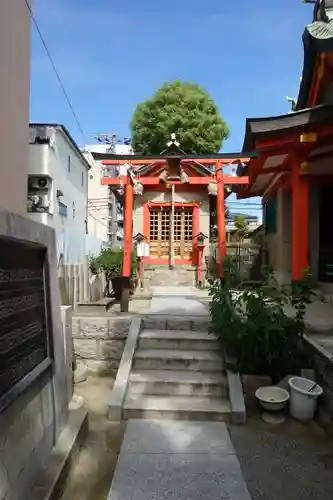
62, 209
82, 178
271, 215
69, 163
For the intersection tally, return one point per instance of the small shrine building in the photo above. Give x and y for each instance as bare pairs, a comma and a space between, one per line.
168, 199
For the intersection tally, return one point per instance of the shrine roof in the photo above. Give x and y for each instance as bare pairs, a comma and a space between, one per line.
317, 39
152, 158
263, 128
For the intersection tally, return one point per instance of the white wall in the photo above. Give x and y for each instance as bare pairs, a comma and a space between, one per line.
99, 214
98, 208
71, 177
14, 103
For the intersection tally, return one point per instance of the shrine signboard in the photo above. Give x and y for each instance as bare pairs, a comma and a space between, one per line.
25, 337
142, 249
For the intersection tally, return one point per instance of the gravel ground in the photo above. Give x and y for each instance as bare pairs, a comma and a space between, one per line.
290, 461
92, 475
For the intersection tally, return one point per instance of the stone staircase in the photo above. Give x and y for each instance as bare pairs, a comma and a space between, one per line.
177, 374
161, 275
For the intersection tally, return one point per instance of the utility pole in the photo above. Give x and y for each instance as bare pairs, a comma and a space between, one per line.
110, 139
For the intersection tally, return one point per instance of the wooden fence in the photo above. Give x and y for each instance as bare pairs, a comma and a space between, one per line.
77, 284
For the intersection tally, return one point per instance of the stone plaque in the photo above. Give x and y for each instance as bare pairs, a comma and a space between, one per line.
25, 340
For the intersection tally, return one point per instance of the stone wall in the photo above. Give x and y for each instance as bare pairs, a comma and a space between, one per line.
99, 342
32, 423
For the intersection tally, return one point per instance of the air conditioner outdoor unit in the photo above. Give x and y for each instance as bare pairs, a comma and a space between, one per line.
39, 183
42, 132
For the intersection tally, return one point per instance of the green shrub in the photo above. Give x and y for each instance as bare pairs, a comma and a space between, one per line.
111, 262
94, 263
260, 329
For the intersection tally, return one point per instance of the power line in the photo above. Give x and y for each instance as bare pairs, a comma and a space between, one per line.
34, 20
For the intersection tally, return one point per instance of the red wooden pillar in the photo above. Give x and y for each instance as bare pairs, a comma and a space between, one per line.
196, 230
221, 232
128, 225
300, 222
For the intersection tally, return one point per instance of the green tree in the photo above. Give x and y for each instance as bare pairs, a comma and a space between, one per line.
242, 227
182, 108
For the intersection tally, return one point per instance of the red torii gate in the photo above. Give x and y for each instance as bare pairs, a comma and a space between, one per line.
217, 175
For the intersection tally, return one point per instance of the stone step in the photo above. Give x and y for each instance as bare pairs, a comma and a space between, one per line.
182, 323
178, 383
99, 307
169, 359
176, 408
178, 339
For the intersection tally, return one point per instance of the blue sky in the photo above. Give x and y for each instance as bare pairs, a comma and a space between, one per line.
111, 55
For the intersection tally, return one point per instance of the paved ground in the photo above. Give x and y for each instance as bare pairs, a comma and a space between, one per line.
285, 462
92, 475
137, 307
169, 460
176, 300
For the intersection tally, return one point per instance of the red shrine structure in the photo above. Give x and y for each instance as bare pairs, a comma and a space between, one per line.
293, 169
168, 198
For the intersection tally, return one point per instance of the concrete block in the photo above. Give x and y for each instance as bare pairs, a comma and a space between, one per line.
236, 397
51, 480
66, 320
121, 383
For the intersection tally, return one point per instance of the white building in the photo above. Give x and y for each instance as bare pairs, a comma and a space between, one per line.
104, 210
58, 190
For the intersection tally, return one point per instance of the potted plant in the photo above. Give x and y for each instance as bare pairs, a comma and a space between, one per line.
111, 261
260, 329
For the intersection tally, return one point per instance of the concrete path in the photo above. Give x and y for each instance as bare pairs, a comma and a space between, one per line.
168, 460
180, 300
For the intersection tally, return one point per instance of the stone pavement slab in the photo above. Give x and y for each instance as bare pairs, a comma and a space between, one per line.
183, 477
172, 460
170, 291
175, 305
166, 437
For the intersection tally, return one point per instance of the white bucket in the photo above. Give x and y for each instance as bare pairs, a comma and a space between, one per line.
302, 402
